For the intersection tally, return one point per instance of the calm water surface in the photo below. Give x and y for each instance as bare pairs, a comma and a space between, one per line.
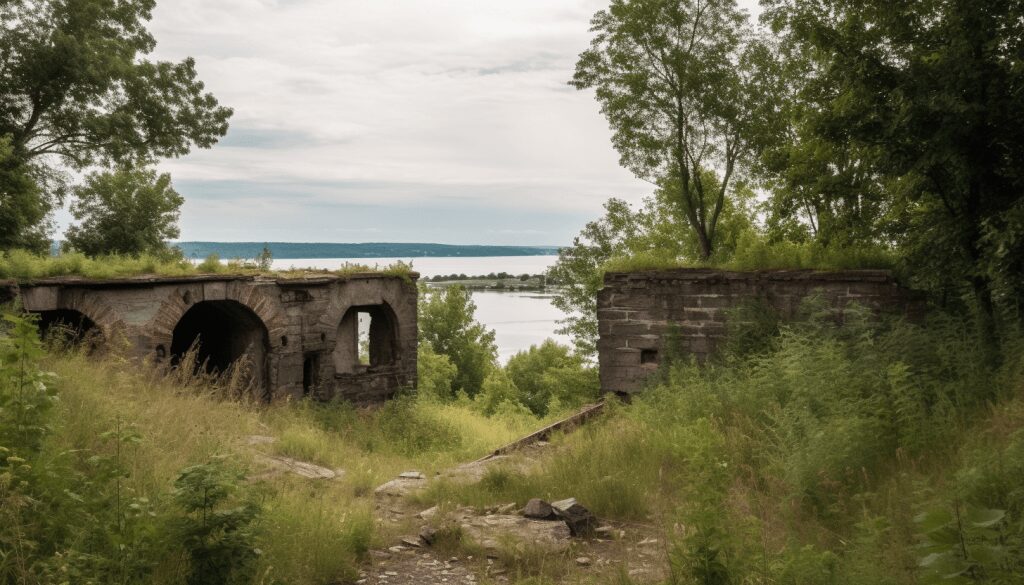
468, 265
519, 319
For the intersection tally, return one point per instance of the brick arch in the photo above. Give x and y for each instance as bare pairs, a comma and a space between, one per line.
174, 307
106, 318
338, 308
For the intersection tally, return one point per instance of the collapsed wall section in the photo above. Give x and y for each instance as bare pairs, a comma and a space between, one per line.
637, 312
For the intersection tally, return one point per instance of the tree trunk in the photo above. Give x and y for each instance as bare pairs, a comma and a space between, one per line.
985, 316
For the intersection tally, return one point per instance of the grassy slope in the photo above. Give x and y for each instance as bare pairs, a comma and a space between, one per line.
311, 532
807, 463
804, 462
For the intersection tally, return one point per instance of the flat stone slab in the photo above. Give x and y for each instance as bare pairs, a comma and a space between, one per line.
300, 468
474, 471
401, 487
495, 531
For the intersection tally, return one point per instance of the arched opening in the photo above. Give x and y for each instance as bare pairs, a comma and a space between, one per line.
366, 339
220, 333
68, 327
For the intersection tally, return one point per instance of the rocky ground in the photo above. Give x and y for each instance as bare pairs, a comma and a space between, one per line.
450, 544
504, 543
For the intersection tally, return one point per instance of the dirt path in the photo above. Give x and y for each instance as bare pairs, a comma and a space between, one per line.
501, 545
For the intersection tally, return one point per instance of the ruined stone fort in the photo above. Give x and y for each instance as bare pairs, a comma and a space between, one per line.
301, 335
639, 312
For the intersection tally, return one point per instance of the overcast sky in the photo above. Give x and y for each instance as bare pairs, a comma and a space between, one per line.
393, 120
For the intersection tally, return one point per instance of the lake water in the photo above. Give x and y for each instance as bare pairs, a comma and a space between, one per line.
519, 319
433, 266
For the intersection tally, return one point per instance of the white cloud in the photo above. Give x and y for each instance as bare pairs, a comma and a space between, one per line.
402, 105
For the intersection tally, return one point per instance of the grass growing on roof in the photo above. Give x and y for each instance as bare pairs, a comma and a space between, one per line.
754, 253
26, 266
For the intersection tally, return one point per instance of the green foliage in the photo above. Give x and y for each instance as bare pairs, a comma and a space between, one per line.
550, 377
265, 260
435, 373
406, 429
130, 211
217, 532
26, 266
79, 91
498, 391
756, 253
26, 396
924, 97
23, 205
651, 63
961, 544
447, 323
579, 272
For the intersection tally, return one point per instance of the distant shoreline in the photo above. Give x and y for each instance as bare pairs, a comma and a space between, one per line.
313, 250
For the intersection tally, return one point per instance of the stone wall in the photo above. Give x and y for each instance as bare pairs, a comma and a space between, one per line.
636, 311
299, 331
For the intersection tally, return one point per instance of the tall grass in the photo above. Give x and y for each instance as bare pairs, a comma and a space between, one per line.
804, 458
121, 433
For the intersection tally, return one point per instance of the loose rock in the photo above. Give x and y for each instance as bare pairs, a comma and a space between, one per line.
581, 521
413, 541
538, 509
583, 561
300, 468
563, 504
428, 535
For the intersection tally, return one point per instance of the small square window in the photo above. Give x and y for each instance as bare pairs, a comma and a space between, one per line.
648, 356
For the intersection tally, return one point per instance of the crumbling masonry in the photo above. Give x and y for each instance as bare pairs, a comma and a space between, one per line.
300, 336
637, 311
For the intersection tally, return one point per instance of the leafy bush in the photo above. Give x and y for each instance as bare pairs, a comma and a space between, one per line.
447, 323
551, 375
217, 532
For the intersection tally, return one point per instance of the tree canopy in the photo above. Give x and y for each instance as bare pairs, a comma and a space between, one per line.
77, 91
929, 96
677, 80
128, 211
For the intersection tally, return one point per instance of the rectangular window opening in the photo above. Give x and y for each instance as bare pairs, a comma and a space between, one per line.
365, 322
648, 356
310, 373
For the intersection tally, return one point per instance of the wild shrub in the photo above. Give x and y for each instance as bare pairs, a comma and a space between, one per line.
447, 323
551, 374
404, 428
216, 530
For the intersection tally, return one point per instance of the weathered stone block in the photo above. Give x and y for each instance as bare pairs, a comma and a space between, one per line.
695, 304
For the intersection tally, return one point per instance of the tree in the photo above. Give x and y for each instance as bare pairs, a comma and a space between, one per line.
76, 91
821, 189
550, 373
932, 91
677, 80
447, 322
23, 208
129, 211
654, 233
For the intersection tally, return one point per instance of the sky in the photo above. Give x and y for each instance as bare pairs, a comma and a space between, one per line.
444, 121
